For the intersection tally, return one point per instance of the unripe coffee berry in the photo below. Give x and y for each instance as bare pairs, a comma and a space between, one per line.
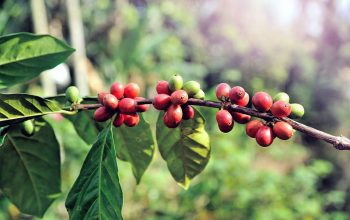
191, 87
243, 102
168, 122
174, 113
222, 91
281, 109
241, 118
27, 128
131, 90
127, 106
236, 93
117, 89
100, 96
199, 95
283, 130
161, 101
262, 101
297, 110
102, 114
264, 137
252, 127
141, 108
188, 112
224, 120
110, 102
72, 94
175, 83
281, 96
131, 120
179, 97
163, 87
118, 120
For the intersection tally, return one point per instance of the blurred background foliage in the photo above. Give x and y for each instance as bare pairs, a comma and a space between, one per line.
298, 46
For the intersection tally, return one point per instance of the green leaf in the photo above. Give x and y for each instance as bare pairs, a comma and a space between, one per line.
24, 56
96, 194
3, 132
136, 146
186, 149
30, 168
15, 108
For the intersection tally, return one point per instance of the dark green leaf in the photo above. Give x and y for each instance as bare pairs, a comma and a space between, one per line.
186, 149
23, 56
97, 194
30, 168
3, 132
136, 146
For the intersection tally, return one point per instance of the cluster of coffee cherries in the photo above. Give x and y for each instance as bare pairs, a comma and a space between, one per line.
122, 101
172, 97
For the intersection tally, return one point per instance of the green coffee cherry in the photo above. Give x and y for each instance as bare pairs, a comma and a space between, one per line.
27, 128
199, 95
191, 87
175, 83
72, 94
297, 111
281, 96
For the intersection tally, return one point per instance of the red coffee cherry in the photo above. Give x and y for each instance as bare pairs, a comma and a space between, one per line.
236, 93
118, 120
283, 130
131, 90
281, 109
252, 127
188, 112
243, 102
127, 106
100, 96
102, 114
224, 120
222, 91
241, 118
169, 123
264, 137
141, 108
179, 97
110, 102
117, 89
163, 87
174, 113
131, 120
161, 101
262, 101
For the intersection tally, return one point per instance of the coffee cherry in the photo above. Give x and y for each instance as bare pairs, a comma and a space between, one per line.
174, 113
241, 118
224, 120
264, 137
102, 114
243, 102
131, 90
281, 109
117, 89
127, 106
191, 87
163, 87
236, 93
252, 127
222, 91
100, 96
262, 101
118, 120
110, 102
175, 83
281, 96
161, 101
72, 94
27, 128
199, 95
179, 97
297, 110
131, 120
283, 130
141, 108
169, 123
188, 112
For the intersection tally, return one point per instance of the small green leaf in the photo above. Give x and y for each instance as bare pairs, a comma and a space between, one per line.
96, 194
3, 132
24, 56
136, 146
186, 149
30, 168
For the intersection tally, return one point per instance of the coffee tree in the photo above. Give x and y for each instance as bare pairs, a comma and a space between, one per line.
113, 123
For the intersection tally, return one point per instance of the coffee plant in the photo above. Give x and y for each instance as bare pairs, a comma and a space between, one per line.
112, 121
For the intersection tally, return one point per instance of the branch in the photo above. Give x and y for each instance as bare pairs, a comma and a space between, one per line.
338, 142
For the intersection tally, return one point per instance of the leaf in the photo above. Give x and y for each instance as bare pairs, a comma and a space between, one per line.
30, 168
136, 146
15, 108
186, 149
24, 56
96, 194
